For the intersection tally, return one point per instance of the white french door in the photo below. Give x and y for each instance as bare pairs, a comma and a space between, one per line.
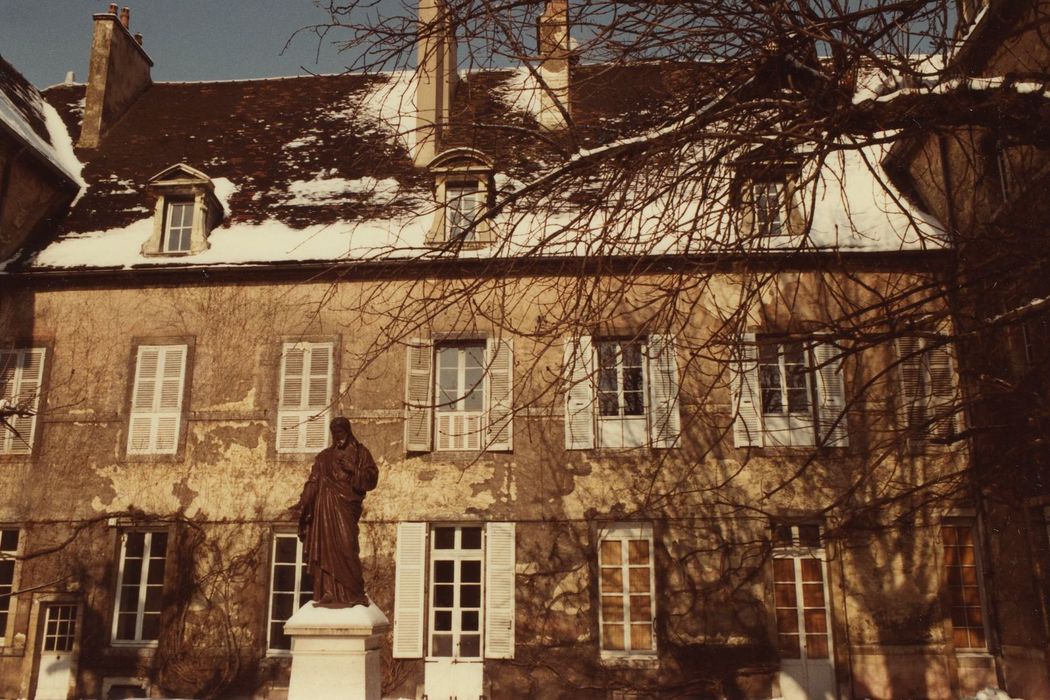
55, 676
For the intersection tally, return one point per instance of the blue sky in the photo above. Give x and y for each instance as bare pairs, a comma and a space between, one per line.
187, 39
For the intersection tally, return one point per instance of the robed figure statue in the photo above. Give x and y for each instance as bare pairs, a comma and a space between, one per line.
328, 513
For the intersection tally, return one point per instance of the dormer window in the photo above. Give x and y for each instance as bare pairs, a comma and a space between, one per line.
463, 187
179, 226
765, 195
767, 202
186, 212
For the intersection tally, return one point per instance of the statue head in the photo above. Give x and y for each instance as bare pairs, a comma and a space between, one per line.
342, 434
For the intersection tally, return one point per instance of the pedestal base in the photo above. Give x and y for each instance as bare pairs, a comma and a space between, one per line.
335, 652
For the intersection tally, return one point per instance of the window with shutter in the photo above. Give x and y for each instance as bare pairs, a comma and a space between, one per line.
21, 379
963, 581
626, 588
140, 587
928, 397
156, 400
788, 393
622, 393
461, 393
305, 397
462, 577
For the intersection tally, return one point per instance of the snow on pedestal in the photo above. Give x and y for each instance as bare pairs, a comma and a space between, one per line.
335, 652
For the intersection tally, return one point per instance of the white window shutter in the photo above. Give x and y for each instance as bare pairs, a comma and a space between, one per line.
21, 377
409, 590
499, 591
579, 398
831, 409
913, 390
665, 421
499, 383
419, 360
943, 399
306, 392
156, 399
747, 398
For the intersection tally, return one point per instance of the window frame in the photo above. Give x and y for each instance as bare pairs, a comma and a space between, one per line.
624, 533
946, 588
185, 230
142, 586
788, 428
769, 222
797, 551
459, 225
472, 421
622, 430
458, 555
302, 593
7, 554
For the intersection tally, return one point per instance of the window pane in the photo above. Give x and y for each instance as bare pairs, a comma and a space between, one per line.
132, 571
155, 573
134, 544
612, 637
153, 598
470, 621
784, 570
817, 646
639, 580
638, 552
641, 608
150, 626
610, 552
285, 550
612, 580
809, 535
126, 626
159, 546
470, 645
444, 571
811, 570
470, 596
9, 540
444, 537
471, 537
633, 403
608, 403
789, 645
283, 605
784, 594
284, 578
441, 645
443, 620
470, 572
641, 637
443, 596
612, 608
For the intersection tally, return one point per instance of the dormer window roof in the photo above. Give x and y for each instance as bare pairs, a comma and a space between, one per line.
463, 189
186, 211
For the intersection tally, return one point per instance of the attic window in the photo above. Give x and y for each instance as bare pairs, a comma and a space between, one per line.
765, 194
186, 211
179, 226
767, 202
463, 189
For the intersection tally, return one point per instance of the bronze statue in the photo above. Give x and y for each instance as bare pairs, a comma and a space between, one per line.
328, 513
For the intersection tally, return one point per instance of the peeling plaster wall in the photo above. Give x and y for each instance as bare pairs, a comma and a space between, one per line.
226, 489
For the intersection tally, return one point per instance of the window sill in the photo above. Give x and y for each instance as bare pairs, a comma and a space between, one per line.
144, 648
630, 660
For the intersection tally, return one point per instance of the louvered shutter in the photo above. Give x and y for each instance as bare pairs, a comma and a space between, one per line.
579, 398
913, 391
419, 360
665, 424
21, 376
942, 397
499, 383
156, 399
831, 407
409, 590
499, 591
747, 403
306, 392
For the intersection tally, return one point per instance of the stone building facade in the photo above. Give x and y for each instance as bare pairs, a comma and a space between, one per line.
586, 490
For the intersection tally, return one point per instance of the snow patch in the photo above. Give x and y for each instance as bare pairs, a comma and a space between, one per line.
521, 92
393, 104
325, 189
223, 190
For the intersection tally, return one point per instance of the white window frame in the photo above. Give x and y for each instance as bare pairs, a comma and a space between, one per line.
157, 414
770, 221
457, 555
457, 429
796, 552
8, 554
624, 533
979, 572
173, 232
788, 428
301, 593
142, 586
21, 389
308, 417
622, 430
461, 222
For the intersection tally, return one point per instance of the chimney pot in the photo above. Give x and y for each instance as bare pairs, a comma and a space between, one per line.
113, 8
125, 17
71, 77
138, 37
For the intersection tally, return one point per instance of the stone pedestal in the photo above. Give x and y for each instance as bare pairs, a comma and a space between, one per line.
335, 652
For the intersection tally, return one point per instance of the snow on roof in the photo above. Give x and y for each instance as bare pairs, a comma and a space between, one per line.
318, 169
30, 118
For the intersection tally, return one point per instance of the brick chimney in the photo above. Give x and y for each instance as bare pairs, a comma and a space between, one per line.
119, 71
436, 77
555, 51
